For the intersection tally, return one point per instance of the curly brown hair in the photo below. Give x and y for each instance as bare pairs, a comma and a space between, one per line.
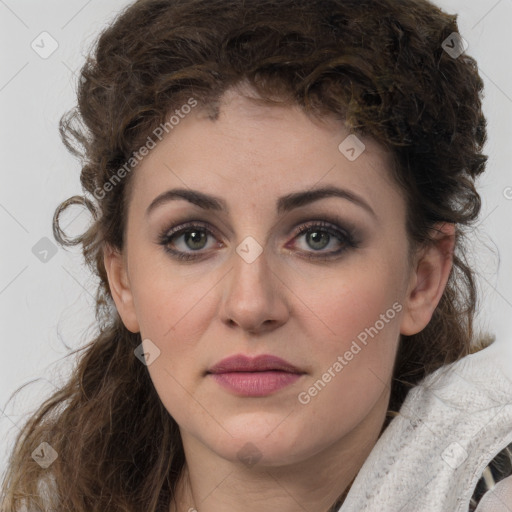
377, 64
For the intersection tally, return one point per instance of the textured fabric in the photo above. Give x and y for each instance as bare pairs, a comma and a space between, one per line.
499, 469
432, 455
499, 499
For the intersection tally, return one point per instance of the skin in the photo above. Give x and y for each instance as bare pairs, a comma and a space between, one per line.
305, 311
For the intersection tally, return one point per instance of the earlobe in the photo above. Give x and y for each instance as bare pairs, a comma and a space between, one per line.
119, 284
428, 280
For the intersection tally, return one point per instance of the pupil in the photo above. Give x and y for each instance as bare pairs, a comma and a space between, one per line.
316, 236
192, 235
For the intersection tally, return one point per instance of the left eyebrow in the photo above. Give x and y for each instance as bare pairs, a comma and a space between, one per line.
284, 204
204, 201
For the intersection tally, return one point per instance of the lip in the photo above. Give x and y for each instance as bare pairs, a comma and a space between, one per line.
254, 376
262, 363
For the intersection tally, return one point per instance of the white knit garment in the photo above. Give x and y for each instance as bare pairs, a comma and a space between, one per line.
450, 427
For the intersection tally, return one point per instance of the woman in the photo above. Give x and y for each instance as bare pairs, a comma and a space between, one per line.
280, 192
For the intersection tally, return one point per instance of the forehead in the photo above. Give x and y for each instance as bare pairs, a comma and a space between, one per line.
253, 152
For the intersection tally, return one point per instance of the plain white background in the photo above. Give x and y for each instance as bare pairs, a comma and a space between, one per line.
46, 308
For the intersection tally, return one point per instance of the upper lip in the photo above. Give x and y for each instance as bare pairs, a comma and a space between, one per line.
241, 363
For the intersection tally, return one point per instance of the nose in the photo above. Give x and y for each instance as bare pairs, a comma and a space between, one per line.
254, 298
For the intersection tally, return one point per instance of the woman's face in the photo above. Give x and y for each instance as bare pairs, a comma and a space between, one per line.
330, 301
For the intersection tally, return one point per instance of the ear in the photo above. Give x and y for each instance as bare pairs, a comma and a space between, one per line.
428, 280
115, 265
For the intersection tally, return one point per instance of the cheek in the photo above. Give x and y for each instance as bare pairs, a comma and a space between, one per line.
355, 361
353, 375
361, 302
172, 314
169, 304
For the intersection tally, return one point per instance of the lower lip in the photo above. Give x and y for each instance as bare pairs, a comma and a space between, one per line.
255, 383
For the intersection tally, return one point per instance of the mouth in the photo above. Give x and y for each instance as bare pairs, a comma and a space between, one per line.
263, 363
259, 376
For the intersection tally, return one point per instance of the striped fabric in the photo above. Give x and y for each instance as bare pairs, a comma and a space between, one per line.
499, 469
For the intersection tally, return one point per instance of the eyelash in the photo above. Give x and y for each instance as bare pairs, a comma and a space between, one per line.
346, 236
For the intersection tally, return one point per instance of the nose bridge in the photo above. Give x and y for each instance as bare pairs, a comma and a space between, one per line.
251, 297
252, 275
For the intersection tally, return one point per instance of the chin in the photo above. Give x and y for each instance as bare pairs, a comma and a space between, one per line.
264, 440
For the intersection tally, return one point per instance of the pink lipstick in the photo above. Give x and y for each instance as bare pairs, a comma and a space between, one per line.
258, 376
